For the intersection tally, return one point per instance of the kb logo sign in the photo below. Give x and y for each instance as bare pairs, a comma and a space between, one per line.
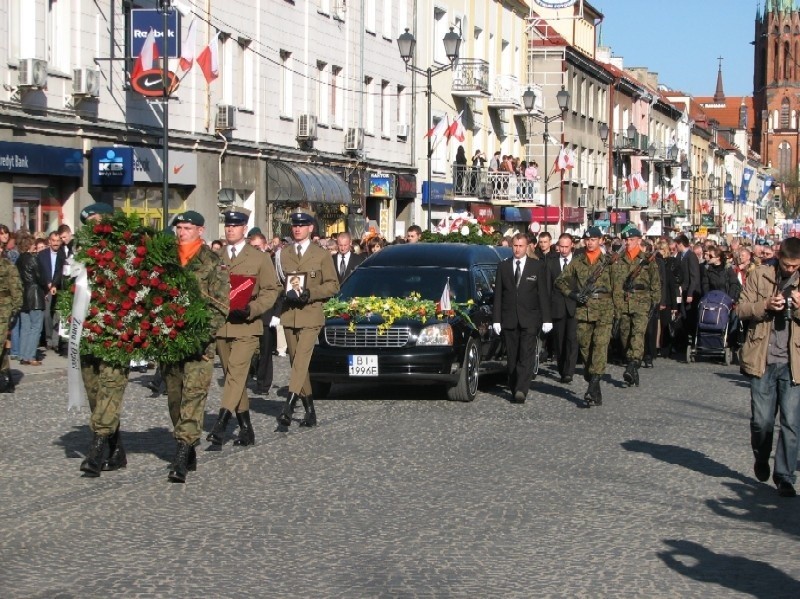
143, 20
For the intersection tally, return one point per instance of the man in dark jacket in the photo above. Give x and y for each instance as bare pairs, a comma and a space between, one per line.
51, 265
691, 290
565, 336
521, 311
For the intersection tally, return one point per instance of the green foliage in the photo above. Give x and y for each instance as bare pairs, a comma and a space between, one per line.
476, 236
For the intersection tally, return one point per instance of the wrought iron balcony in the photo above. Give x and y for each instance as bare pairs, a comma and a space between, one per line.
483, 184
506, 93
471, 78
636, 145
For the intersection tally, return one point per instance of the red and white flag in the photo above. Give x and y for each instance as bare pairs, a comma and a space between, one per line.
565, 160
188, 47
208, 60
638, 181
456, 129
148, 55
439, 130
444, 302
672, 196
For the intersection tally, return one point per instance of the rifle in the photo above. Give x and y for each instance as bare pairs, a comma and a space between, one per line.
589, 288
628, 285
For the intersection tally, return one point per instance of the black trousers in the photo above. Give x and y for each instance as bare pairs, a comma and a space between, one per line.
521, 351
266, 346
651, 334
565, 344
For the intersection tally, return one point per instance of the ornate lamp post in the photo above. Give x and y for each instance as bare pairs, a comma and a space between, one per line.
406, 43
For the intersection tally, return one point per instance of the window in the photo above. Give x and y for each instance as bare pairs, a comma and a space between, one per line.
368, 106
286, 90
58, 35
439, 30
785, 113
324, 7
387, 19
246, 81
787, 57
369, 16
785, 160
23, 29
322, 92
336, 97
401, 107
386, 113
227, 73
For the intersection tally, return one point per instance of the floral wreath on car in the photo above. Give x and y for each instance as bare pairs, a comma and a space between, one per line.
462, 228
143, 304
390, 309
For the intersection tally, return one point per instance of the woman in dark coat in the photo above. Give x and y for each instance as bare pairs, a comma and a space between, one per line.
716, 276
31, 316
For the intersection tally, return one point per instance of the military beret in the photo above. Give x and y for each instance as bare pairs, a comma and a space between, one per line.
97, 208
301, 217
632, 232
191, 217
254, 231
239, 216
593, 232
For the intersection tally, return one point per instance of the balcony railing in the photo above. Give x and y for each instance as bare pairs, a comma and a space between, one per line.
481, 183
506, 93
471, 78
637, 144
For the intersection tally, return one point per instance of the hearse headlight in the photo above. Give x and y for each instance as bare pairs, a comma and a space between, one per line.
436, 334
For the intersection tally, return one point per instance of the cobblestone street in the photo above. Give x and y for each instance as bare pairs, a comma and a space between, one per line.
650, 495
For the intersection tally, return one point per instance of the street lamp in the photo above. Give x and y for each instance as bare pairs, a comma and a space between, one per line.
406, 44
165, 6
671, 160
529, 101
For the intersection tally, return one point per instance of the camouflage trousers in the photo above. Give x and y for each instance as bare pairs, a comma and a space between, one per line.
632, 328
593, 340
105, 387
5, 363
187, 390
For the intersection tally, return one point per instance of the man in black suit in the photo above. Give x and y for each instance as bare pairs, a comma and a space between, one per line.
691, 290
51, 265
565, 330
344, 260
521, 310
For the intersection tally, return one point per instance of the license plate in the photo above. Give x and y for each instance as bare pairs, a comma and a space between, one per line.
363, 365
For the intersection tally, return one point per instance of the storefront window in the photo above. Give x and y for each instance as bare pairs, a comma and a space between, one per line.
146, 203
26, 213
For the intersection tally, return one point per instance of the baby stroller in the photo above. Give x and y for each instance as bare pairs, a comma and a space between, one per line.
713, 318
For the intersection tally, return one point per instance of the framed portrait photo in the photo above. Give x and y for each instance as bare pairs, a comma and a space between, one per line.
295, 284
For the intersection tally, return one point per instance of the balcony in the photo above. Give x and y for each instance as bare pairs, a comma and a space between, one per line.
506, 93
636, 145
473, 183
471, 78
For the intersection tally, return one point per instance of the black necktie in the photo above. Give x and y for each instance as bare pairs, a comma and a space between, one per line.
341, 266
233, 252
299, 251
565, 264
517, 273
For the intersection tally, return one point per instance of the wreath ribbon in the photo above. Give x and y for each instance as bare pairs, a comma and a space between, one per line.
80, 307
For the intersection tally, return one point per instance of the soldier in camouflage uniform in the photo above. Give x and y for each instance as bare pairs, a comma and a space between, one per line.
637, 288
595, 309
10, 304
188, 381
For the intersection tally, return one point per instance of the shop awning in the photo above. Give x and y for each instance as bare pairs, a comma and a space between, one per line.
294, 182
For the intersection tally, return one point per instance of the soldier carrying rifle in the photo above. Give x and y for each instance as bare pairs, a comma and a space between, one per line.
587, 280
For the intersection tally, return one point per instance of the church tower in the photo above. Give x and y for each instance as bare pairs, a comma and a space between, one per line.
776, 86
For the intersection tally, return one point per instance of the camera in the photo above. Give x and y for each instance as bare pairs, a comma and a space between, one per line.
787, 308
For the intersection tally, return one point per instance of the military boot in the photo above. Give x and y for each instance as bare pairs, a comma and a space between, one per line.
180, 465
191, 463
6, 382
217, 434
593, 396
285, 417
246, 434
635, 371
311, 415
93, 463
116, 452
629, 375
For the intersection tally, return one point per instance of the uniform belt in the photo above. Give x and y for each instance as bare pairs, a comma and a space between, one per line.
599, 294
639, 287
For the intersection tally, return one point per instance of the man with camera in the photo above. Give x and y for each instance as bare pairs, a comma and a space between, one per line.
769, 301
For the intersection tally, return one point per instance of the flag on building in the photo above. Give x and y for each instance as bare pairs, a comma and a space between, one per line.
672, 196
188, 47
439, 130
456, 129
444, 302
565, 160
767, 187
208, 60
148, 56
747, 174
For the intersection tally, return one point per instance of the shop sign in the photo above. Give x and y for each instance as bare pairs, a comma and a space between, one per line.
112, 167
440, 193
150, 83
145, 19
483, 213
380, 185
574, 215
555, 3
512, 214
148, 167
35, 159
406, 187
619, 218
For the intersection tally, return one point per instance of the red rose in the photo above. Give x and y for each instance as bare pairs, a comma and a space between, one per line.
158, 300
156, 331
132, 295
174, 292
131, 280
173, 334
93, 311
123, 289
108, 255
180, 324
154, 282
163, 286
140, 309
109, 284
106, 344
141, 251
127, 235
119, 343
108, 229
108, 319
159, 269
124, 336
97, 229
120, 272
136, 262
169, 321
145, 325
145, 344
127, 304
129, 348
112, 307
180, 310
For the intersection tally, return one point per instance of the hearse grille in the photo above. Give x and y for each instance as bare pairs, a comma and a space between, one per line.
366, 336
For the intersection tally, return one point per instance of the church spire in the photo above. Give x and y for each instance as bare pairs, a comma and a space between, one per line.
719, 95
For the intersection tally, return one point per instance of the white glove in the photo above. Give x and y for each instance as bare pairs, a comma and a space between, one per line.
274, 322
497, 328
547, 327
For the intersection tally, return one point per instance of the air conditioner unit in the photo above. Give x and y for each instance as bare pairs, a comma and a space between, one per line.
339, 8
32, 73
226, 117
583, 200
85, 82
307, 127
402, 130
354, 139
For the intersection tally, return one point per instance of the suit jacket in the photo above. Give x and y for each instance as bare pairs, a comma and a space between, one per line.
561, 305
353, 261
692, 283
322, 283
49, 276
251, 262
528, 305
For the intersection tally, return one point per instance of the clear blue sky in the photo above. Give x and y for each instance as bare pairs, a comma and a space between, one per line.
681, 40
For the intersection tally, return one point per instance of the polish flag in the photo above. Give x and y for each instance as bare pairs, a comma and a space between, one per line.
208, 60
629, 184
456, 129
444, 302
438, 130
638, 181
188, 48
562, 160
148, 55
672, 195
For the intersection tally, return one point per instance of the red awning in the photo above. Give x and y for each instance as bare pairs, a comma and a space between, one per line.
574, 215
539, 215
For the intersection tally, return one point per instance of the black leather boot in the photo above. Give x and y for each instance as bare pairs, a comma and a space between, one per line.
217, 433
191, 464
311, 416
92, 465
116, 453
246, 434
593, 396
628, 375
285, 417
635, 372
180, 465
6, 382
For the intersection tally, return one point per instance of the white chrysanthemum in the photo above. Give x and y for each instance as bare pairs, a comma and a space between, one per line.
465, 230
